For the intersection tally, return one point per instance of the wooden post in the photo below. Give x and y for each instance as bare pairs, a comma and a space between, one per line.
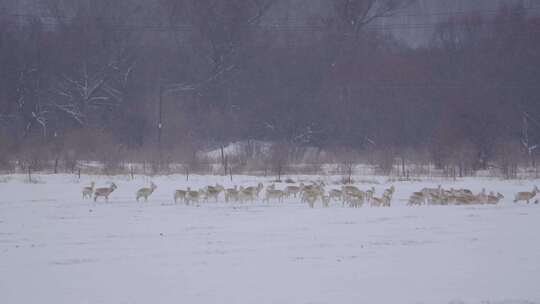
29, 174
79, 173
230, 173
131, 169
187, 174
535, 165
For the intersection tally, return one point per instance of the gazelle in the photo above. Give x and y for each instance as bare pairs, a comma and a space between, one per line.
354, 199
350, 189
387, 201
369, 194
192, 196
526, 196
325, 201
146, 192
336, 195
494, 199
317, 187
428, 191
464, 192
87, 191
464, 199
260, 186
353, 196
437, 198
390, 191
376, 201
384, 201
482, 197
271, 193
104, 192
416, 199
231, 194
180, 195
310, 197
247, 194
292, 191
213, 192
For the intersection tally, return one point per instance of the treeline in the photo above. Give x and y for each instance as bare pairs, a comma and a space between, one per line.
100, 80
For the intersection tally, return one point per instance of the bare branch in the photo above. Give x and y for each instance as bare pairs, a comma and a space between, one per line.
354, 15
262, 6
72, 111
183, 87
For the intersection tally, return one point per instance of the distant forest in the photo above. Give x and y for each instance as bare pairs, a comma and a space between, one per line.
101, 80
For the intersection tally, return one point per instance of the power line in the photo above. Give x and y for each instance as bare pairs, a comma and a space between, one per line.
428, 87
307, 29
269, 27
455, 13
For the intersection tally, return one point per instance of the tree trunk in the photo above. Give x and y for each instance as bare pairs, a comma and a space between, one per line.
226, 165
223, 160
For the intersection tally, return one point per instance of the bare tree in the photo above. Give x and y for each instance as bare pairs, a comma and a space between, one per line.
221, 29
352, 15
279, 157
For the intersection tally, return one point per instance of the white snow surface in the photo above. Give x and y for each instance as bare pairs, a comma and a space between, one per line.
57, 248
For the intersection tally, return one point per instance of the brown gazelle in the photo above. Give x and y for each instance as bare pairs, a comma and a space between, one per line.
104, 192
146, 192
231, 194
180, 195
213, 192
192, 196
325, 201
416, 199
272, 193
310, 197
248, 194
87, 191
494, 199
526, 196
292, 191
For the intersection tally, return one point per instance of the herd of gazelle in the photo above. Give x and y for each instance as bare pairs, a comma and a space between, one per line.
98, 192
440, 196
348, 195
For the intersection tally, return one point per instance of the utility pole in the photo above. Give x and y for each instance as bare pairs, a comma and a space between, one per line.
160, 124
160, 115
526, 139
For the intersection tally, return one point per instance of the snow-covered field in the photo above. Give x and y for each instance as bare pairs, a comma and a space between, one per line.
57, 248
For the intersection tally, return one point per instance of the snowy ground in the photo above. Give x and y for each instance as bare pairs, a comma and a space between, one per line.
57, 248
